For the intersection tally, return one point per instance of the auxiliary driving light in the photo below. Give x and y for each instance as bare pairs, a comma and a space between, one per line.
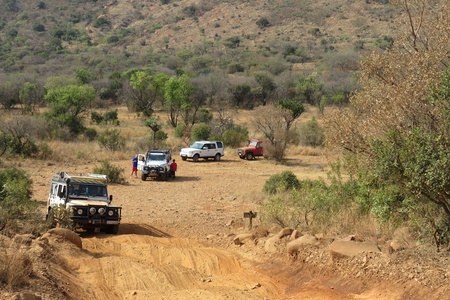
101, 210
92, 210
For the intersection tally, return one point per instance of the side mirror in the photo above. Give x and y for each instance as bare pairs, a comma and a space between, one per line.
110, 198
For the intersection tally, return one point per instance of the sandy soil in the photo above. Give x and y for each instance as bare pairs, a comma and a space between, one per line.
176, 242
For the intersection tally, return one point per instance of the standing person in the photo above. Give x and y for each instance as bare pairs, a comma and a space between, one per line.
134, 165
173, 168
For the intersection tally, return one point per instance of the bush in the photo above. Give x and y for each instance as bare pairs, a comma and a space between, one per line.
90, 134
281, 182
18, 213
311, 134
180, 130
263, 23
101, 22
38, 27
235, 137
204, 116
111, 140
200, 132
96, 117
112, 39
114, 173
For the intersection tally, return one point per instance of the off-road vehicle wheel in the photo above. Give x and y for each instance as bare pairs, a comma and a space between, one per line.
144, 177
196, 157
183, 158
250, 156
217, 157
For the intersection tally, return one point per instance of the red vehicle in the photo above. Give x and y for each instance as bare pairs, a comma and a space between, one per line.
253, 149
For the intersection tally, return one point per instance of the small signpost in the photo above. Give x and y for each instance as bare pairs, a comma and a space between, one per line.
250, 215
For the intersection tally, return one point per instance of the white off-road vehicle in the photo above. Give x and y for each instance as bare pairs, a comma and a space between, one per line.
203, 149
83, 202
155, 164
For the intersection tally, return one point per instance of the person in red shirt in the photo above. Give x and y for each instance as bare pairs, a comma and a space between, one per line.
173, 168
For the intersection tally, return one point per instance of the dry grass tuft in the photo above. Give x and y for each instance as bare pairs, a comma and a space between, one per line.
15, 267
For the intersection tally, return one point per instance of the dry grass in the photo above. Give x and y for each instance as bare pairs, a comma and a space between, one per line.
15, 267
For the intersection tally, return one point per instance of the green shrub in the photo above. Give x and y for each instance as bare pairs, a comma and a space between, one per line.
235, 137
96, 117
101, 22
311, 134
45, 152
281, 182
38, 27
111, 116
180, 130
204, 116
111, 140
40, 5
90, 134
200, 132
263, 23
114, 173
18, 213
112, 39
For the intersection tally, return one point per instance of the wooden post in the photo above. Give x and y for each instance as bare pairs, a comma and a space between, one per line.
250, 215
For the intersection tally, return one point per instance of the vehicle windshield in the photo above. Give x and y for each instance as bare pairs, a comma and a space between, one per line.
87, 190
197, 145
253, 144
157, 156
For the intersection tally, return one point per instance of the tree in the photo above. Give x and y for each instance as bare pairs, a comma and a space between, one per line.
67, 105
275, 124
179, 100
83, 76
309, 89
154, 125
142, 98
29, 97
397, 126
266, 86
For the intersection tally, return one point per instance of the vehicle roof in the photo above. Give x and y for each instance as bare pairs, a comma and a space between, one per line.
81, 178
159, 151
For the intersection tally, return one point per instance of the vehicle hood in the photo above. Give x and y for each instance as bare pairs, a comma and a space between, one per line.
82, 202
155, 164
247, 148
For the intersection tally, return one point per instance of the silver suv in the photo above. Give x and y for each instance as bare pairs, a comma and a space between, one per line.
203, 149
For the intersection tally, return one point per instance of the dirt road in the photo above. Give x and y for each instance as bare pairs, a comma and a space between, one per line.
176, 239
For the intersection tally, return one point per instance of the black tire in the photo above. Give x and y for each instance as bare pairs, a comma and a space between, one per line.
183, 158
217, 157
144, 177
112, 229
90, 230
249, 156
196, 157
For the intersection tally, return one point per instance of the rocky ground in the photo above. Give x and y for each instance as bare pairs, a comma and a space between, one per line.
177, 237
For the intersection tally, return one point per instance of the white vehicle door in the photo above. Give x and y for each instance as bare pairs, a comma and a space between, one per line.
141, 161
